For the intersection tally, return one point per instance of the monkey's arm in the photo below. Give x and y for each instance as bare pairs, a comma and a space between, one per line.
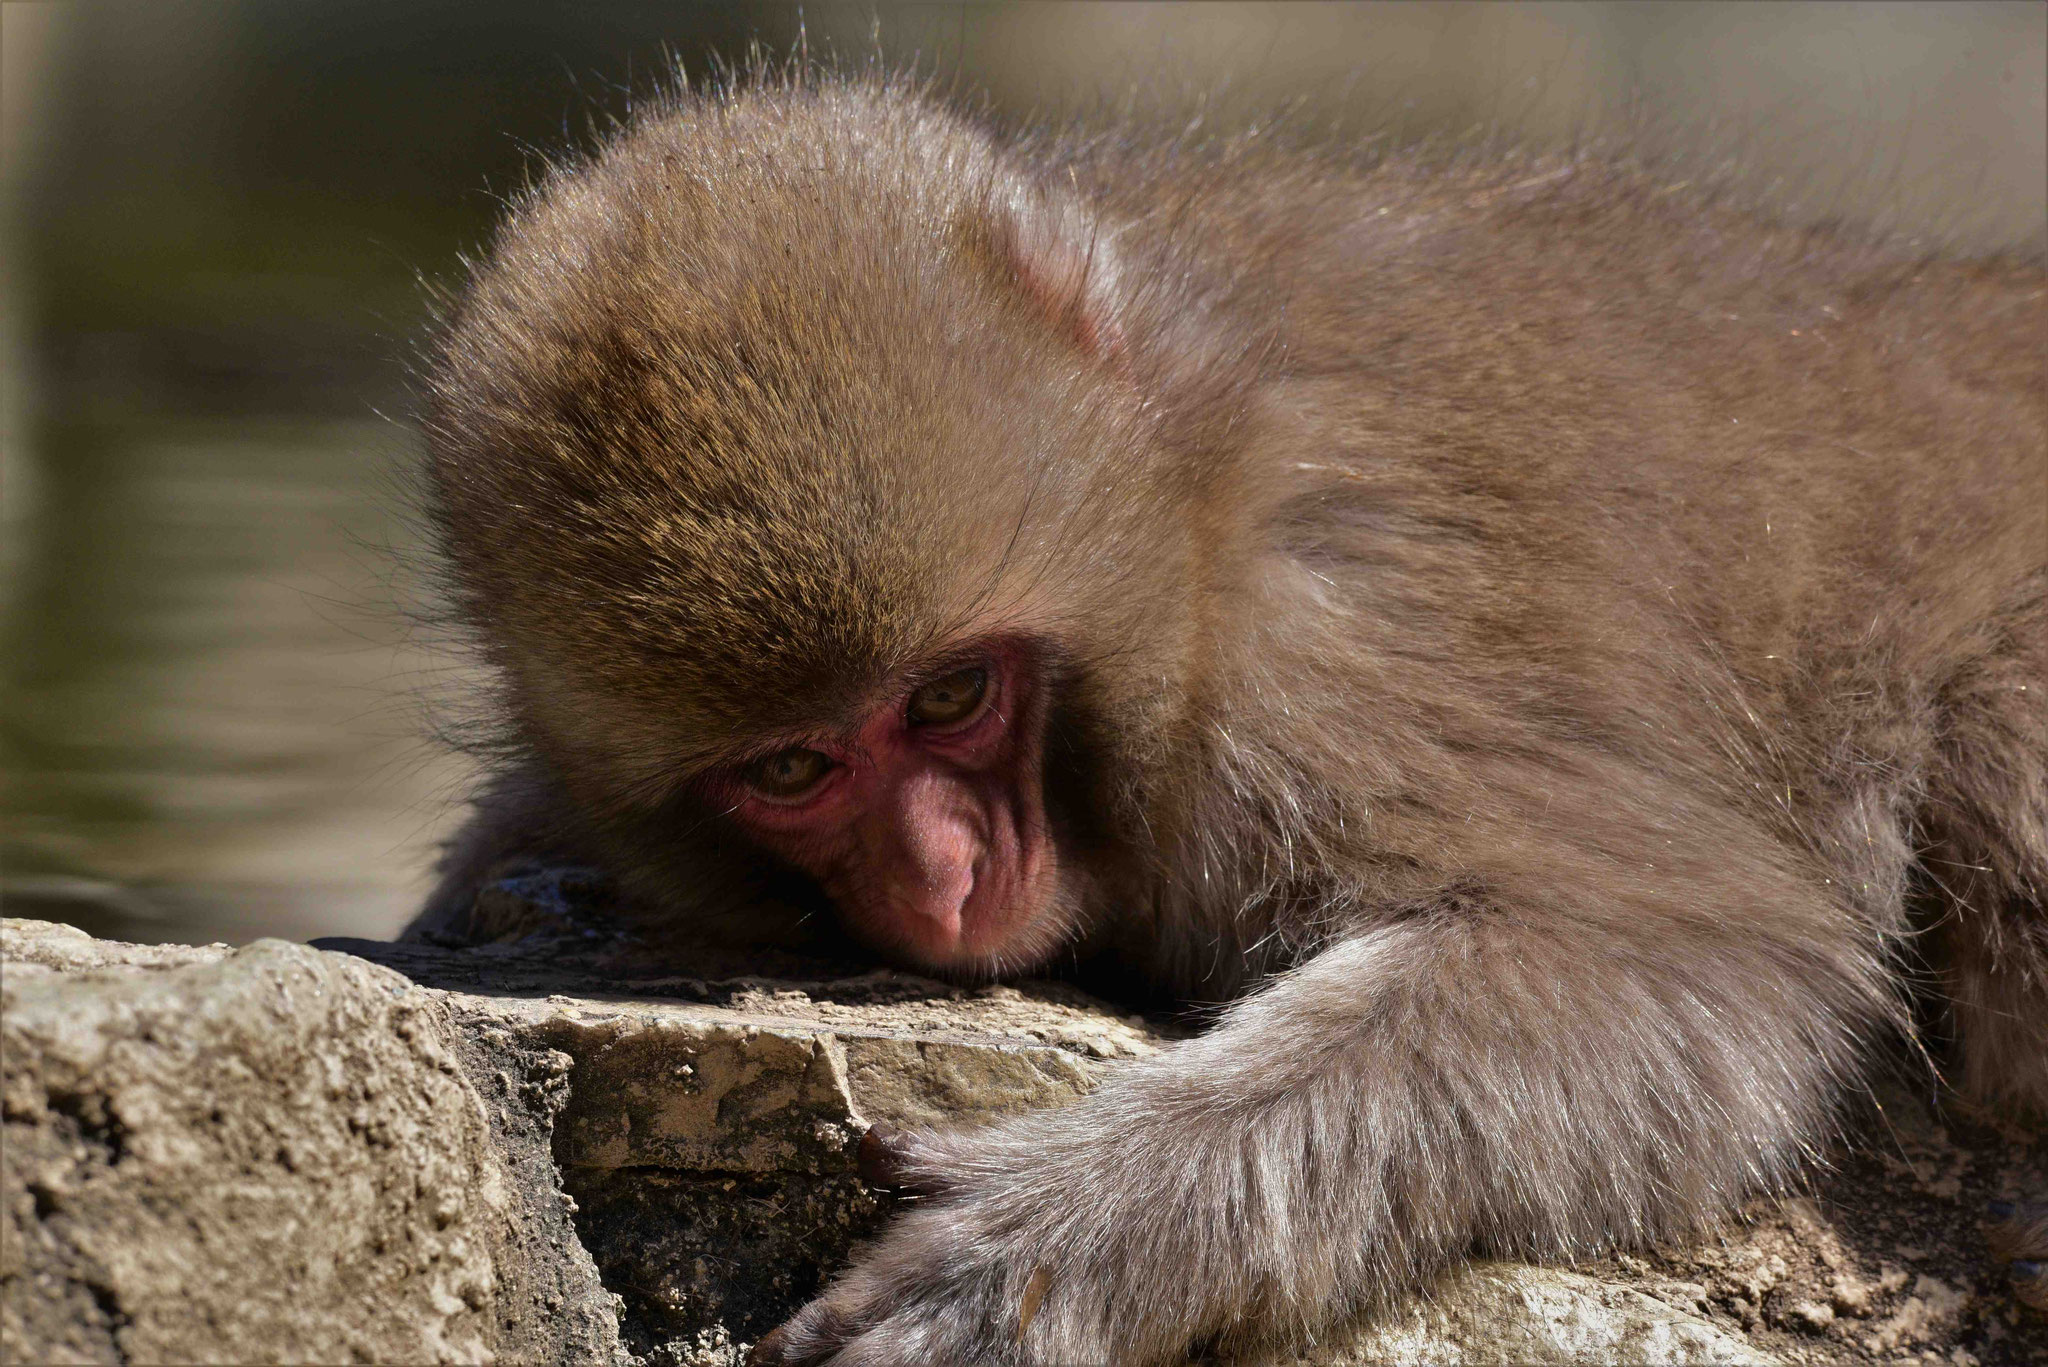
520, 815
1532, 1070
695, 895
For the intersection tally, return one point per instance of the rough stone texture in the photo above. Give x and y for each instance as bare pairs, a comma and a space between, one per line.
1510, 1314
1885, 1260
708, 1141
267, 1154
281, 1152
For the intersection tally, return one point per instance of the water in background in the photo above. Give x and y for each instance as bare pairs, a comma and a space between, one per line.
218, 214
214, 715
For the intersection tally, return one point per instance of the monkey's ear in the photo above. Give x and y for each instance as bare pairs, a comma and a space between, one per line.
1062, 262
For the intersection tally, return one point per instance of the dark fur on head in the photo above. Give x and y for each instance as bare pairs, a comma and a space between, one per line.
1556, 614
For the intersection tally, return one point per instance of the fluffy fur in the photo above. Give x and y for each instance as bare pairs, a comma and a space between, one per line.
1525, 628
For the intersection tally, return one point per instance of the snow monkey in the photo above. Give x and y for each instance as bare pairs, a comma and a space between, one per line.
1522, 630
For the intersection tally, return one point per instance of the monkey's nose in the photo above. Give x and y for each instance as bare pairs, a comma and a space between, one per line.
940, 881
938, 836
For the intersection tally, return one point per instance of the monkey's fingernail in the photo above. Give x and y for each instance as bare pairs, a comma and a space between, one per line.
2000, 1210
879, 1160
768, 1352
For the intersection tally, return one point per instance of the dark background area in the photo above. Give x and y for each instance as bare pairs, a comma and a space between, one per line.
219, 218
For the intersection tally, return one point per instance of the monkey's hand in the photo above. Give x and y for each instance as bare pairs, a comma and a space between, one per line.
1455, 1079
1010, 1254
951, 1281
518, 818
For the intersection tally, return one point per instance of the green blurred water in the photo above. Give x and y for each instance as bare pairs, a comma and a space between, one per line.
213, 720
225, 218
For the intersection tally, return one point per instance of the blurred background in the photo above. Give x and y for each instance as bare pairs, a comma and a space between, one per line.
218, 217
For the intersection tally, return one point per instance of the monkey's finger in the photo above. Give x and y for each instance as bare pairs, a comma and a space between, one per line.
2030, 1284
767, 1351
2017, 1231
890, 1160
809, 1336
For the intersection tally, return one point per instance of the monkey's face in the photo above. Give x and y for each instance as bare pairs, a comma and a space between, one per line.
924, 821
805, 505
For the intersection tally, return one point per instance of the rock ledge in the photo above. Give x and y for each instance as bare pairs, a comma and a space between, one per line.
519, 1153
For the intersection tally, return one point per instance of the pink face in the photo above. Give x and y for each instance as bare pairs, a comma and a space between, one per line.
926, 823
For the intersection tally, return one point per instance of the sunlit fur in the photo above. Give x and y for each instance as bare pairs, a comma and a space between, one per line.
1526, 623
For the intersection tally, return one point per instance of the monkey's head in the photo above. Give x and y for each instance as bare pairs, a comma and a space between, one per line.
799, 478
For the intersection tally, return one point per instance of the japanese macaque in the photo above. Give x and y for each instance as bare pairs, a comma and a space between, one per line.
1527, 630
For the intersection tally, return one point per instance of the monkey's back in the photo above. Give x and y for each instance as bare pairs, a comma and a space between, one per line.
1632, 455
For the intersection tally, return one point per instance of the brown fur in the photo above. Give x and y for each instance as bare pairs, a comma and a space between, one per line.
1535, 621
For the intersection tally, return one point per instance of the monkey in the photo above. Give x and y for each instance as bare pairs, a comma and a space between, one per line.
1520, 636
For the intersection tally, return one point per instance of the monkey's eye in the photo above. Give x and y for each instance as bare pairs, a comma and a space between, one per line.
788, 773
949, 699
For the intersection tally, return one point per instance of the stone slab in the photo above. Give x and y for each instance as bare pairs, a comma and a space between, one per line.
545, 1149
269, 1154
